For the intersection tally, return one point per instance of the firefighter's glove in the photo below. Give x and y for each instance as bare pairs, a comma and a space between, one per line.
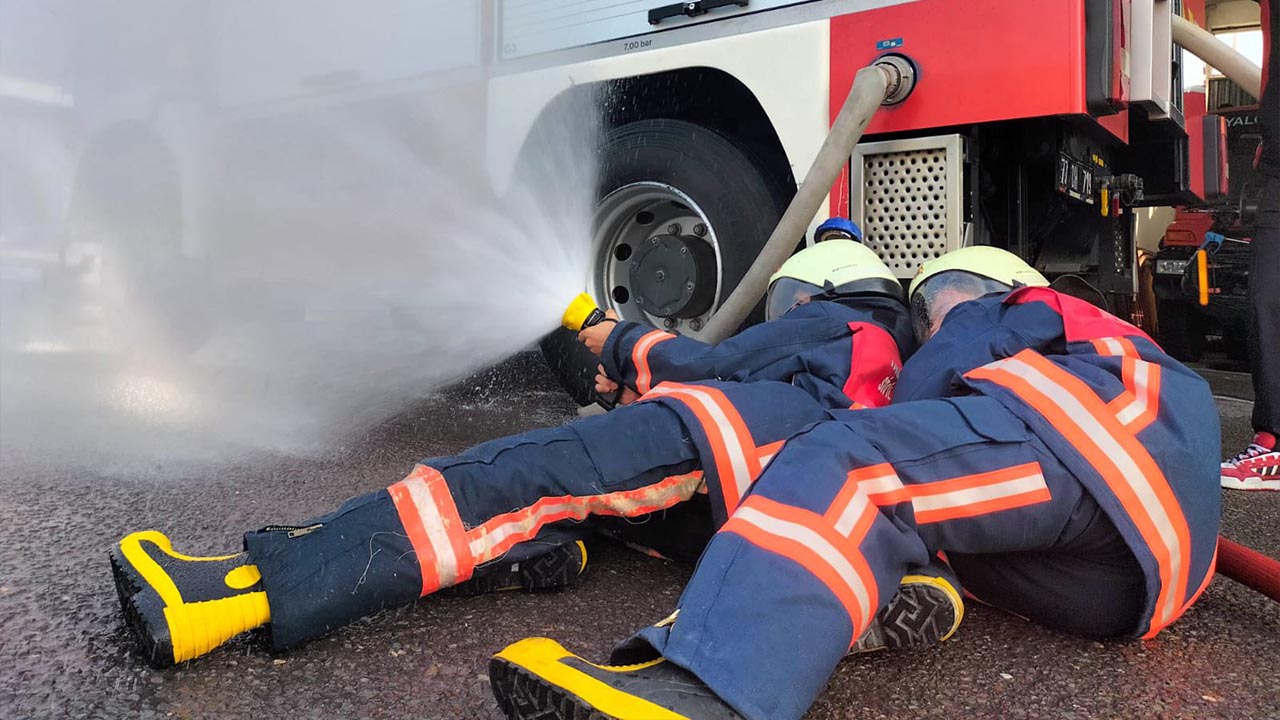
606, 387
593, 337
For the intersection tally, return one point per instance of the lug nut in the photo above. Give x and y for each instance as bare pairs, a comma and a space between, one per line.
668, 323
673, 229
688, 285
653, 241
700, 230
695, 324
640, 301
684, 250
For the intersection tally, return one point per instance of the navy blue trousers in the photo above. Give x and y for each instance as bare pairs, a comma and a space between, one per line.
830, 527
511, 499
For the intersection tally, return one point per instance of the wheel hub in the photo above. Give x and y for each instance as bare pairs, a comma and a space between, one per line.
652, 242
674, 276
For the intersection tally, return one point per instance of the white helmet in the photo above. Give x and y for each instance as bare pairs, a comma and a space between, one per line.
834, 268
965, 274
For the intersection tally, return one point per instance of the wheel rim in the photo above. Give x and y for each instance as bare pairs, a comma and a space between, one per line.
657, 258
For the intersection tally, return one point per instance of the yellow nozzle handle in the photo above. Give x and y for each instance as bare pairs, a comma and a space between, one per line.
582, 312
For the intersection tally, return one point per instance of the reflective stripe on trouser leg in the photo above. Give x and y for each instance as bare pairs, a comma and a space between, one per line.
738, 428
1110, 447
514, 497
828, 530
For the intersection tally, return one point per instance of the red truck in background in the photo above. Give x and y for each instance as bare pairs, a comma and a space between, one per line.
1223, 227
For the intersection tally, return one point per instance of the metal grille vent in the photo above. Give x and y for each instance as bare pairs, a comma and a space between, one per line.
907, 198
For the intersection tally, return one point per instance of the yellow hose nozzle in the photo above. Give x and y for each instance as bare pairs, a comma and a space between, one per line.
581, 313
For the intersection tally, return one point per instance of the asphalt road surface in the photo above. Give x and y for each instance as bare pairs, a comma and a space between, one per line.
64, 651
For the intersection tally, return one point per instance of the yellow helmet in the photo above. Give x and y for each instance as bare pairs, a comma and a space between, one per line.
967, 273
984, 261
839, 267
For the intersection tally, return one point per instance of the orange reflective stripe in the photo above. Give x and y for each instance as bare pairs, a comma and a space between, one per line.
959, 497
1124, 464
980, 494
1115, 346
808, 539
881, 483
766, 453
737, 462
1204, 584
430, 519
500, 533
1138, 406
640, 358
454, 528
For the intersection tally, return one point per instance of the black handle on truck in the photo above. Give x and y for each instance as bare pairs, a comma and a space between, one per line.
694, 8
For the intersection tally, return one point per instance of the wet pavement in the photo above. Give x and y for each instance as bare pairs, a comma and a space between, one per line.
64, 651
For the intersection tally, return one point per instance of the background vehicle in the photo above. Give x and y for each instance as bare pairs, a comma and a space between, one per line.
1185, 325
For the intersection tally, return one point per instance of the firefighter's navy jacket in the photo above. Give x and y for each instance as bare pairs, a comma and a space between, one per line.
1138, 429
842, 356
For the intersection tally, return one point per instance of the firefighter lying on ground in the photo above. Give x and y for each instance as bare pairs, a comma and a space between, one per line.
1061, 460
511, 513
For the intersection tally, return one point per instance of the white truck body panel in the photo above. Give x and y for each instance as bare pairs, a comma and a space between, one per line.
527, 27
798, 106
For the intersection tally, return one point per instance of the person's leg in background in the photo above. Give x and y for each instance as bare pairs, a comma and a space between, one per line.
1257, 467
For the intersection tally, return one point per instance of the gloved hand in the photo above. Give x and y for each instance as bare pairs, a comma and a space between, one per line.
606, 387
593, 337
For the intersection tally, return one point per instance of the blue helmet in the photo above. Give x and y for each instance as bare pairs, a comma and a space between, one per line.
838, 227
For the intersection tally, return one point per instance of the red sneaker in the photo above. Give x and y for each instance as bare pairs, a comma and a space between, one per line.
1257, 467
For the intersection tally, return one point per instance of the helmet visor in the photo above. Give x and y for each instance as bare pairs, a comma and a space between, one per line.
785, 293
935, 297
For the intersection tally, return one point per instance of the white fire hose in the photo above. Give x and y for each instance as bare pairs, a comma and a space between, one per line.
886, 82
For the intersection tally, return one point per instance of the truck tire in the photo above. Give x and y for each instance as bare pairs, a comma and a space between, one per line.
1182, 330
737, 201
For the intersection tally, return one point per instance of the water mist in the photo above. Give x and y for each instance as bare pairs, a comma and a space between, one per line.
228, 227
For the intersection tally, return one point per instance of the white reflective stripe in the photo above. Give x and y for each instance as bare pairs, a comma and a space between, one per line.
981, 493
1113, 346
1127, 466
849, 516
433, 524
481, 544
881, 484
738, 468
813, 541
624, 503
1141, 394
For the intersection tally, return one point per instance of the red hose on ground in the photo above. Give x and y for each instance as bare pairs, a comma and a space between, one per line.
1249, 568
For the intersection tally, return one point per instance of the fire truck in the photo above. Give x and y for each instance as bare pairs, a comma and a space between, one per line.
1036, 126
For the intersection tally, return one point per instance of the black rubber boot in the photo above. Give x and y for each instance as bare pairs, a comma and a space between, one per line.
557, 568
926, 610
